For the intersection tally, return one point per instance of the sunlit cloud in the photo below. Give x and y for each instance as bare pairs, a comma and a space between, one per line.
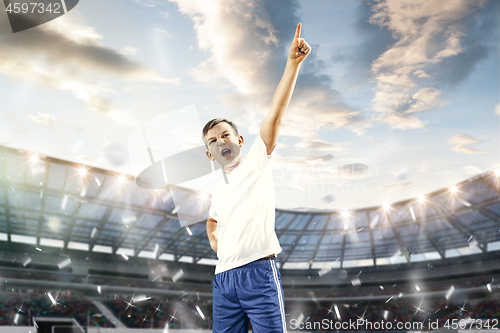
246, 53
464, 149
66, 54
460, 138
427, 33
43, 118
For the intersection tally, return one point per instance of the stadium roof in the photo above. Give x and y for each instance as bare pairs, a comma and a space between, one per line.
45, 201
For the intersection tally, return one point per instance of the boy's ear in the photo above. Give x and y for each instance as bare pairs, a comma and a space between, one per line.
241, 141
209, 155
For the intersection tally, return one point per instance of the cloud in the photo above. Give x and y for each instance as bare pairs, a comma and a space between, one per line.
66, 54
472, 170
319, 145
373, 139
497, 109
354, 171
459, 138
43, 118
428, 34
464, 149
115, 153
246, 44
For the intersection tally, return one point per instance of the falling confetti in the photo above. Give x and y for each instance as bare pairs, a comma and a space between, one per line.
324, 270
98, 182
190, 233
356, 282
140, 298
337, 312
64, 202
26, 262
390, 298
129, 219
450, 292
94, 233
124, 256
200, 312
99, 289
412, 214
52, 299
64, 263
489, 287
417, 287
177, 275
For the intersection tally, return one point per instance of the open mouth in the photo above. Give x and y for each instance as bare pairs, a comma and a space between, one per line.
226, 151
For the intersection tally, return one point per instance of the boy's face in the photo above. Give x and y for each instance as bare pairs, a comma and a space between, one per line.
223, 144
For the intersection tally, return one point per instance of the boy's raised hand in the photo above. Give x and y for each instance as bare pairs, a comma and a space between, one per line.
299, 50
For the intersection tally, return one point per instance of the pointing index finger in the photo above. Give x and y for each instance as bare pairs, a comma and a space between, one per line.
297, 32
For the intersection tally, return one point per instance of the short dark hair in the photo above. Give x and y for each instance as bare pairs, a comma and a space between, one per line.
214, 122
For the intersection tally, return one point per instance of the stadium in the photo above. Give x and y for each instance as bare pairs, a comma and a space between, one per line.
86, 250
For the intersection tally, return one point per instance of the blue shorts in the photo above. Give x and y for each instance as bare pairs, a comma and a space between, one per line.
250, 292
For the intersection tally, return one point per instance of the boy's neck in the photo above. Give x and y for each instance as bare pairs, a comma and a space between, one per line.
230, 167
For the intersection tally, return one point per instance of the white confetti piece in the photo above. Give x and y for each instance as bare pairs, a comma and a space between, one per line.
178, 275
64, 202
450, 292
26, 262
337, 312
64, 263
356, 282
324, 270
200, 312
94, 233
189, 231
129, 219
140, 298
52, 299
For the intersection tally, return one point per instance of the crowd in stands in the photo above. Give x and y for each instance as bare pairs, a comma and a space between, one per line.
186, 313
40, 276
383, 290
20, 309
136, 283
440, 312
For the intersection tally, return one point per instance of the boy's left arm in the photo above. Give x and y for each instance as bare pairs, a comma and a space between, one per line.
269, 131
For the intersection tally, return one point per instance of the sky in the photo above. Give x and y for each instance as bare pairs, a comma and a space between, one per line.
397, 98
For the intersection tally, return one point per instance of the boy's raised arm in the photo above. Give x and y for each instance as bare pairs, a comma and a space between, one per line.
269, 131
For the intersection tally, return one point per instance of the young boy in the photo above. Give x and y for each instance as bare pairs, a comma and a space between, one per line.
240, 224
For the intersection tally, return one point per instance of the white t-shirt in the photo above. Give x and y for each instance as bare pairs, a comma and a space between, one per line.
245, 211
